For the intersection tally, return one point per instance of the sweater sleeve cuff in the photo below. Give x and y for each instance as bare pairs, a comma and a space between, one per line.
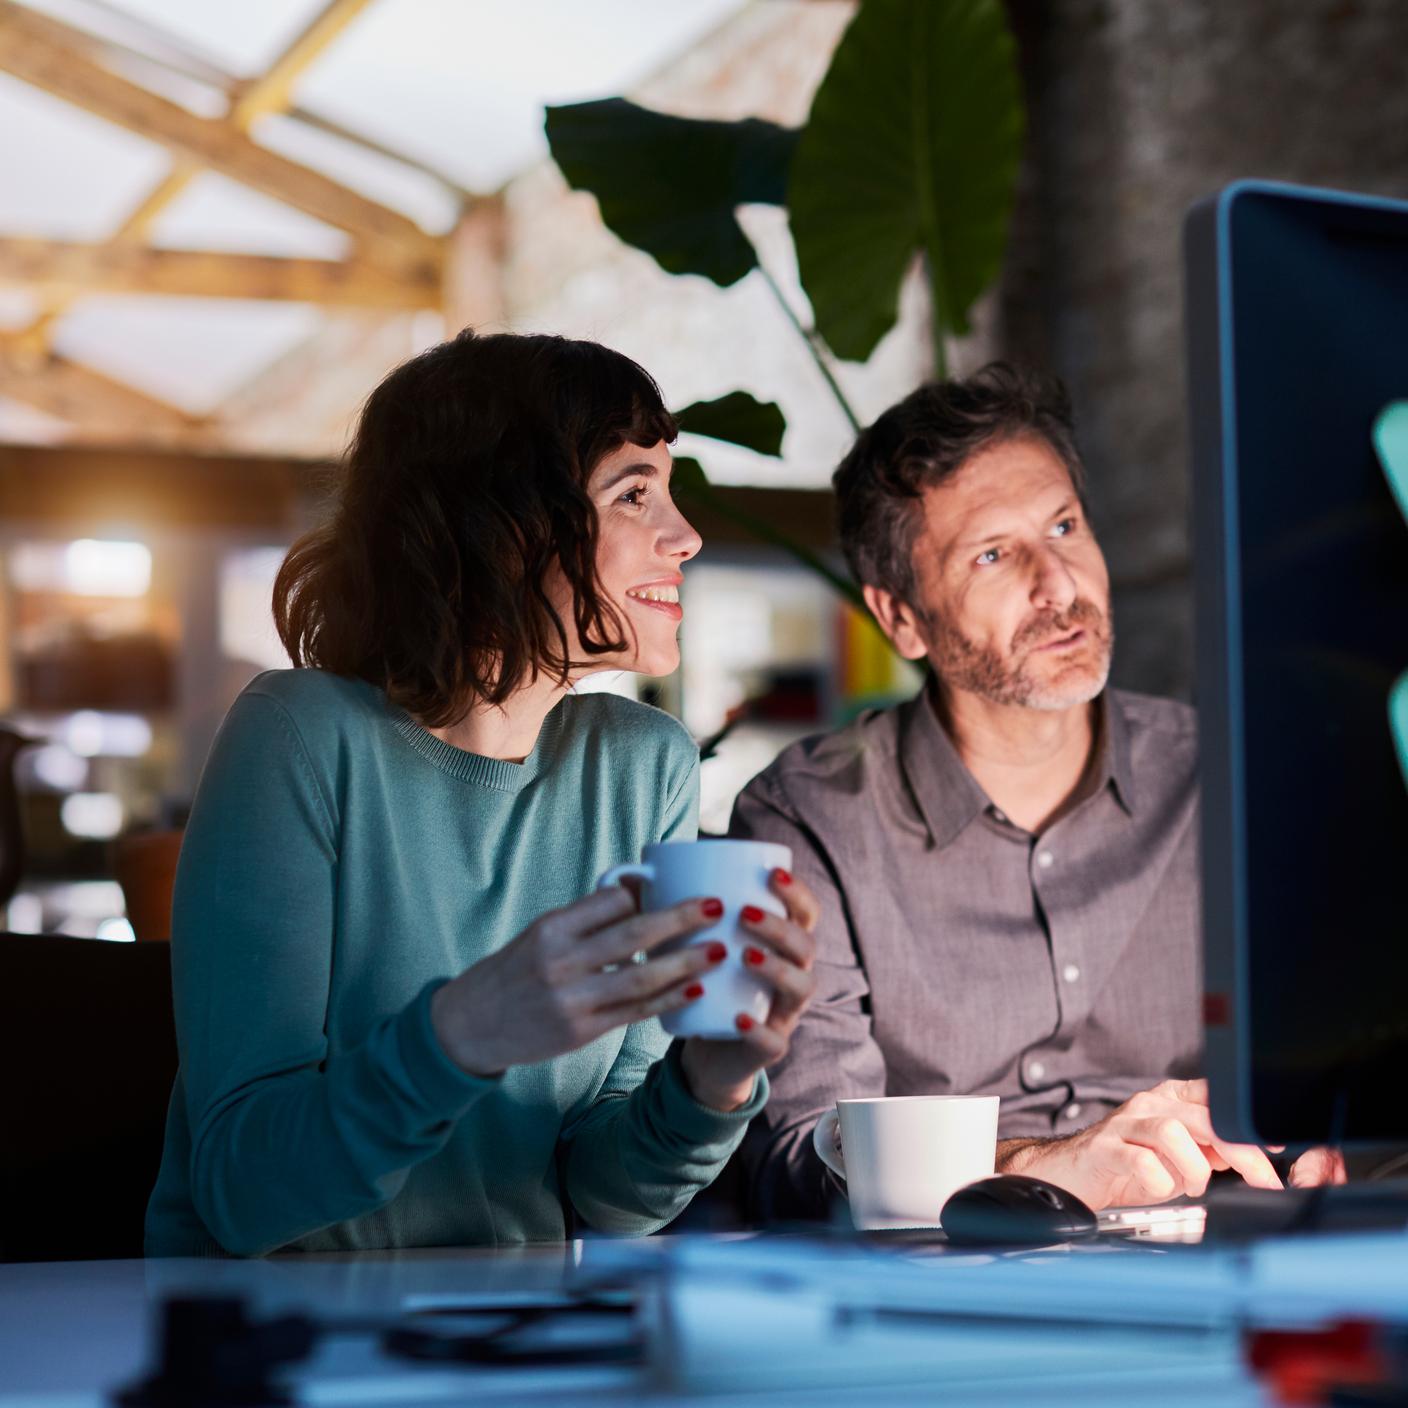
698, 1123
443, 1087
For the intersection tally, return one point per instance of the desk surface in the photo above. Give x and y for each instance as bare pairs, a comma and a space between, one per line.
72, 1332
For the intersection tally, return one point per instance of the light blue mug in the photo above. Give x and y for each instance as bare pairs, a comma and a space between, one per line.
735, 872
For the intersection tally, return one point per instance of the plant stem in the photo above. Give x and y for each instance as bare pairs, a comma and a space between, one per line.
809, 336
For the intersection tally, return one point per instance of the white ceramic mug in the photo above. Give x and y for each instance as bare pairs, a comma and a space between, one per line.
904, 1156
735, 872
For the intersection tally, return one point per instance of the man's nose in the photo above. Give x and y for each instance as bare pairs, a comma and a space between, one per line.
1054, 588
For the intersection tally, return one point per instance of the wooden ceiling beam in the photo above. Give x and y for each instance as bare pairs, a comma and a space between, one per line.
82, 489
93, 404
66, 270
39, 51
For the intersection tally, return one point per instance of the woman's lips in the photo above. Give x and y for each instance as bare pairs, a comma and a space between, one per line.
672, 609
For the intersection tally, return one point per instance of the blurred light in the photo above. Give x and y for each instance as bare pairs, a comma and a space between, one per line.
87, 567
25, 915
246, 612
94, 735
108, 569
95, 815
60, 768
93, 899
117, 931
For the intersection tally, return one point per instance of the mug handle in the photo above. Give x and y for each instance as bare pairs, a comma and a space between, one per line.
824, 1142
615, 875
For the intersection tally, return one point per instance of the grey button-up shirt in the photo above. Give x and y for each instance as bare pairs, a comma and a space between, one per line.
960, 954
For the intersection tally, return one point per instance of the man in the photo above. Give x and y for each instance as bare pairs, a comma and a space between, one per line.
1007, 864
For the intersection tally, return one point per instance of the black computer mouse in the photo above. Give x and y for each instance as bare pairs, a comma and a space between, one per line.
1012, 1210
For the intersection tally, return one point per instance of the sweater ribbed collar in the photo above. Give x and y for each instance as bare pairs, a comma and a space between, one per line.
496, 774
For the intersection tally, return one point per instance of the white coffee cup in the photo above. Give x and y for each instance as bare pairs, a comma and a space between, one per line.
906, 1155
735, 872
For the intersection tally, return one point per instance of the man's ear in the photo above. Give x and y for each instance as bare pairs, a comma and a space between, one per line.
898, 620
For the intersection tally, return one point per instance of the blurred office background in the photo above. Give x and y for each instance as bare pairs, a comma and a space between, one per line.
187, 329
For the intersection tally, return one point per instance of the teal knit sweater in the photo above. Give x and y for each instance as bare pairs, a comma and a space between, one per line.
340, 864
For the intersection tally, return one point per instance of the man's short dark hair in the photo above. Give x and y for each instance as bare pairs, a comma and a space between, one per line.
923, 440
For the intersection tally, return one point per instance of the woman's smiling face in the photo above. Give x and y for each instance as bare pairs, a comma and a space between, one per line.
643, 541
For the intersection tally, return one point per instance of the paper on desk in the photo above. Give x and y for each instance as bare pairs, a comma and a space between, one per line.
789, 1313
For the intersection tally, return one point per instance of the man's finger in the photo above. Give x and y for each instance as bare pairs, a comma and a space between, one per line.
1170, 1140
1245, 1159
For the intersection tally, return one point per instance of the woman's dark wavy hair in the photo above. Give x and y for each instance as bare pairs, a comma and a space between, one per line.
466, 481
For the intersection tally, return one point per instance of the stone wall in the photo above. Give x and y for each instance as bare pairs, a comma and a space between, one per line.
1137, 108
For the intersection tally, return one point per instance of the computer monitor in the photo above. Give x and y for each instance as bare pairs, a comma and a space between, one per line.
1297, 314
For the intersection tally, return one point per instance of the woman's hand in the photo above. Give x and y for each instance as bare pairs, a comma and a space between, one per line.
721, 1073
548, 992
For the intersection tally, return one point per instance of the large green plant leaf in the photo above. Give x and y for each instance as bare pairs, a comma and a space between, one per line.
670, 185
740, 419
913, 144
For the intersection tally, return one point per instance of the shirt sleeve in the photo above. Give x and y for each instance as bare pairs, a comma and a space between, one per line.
646, 1146
286, 1139
833, 1054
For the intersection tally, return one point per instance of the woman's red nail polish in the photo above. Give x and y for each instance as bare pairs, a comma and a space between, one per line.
716, 952
743, 1022
712, 909
751, 914
694, 990
755, 956
782, 876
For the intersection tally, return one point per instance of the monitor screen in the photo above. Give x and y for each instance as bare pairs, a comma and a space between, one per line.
1298, 340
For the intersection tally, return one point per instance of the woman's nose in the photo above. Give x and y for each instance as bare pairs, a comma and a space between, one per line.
678, 537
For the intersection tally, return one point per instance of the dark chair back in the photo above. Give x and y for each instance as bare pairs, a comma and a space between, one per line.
87, 1056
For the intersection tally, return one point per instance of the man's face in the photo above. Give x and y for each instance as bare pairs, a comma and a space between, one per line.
1013, 596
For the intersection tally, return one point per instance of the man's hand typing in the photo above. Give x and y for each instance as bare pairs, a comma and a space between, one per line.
1157, 1145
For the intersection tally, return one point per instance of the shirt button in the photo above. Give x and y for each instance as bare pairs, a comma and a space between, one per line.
1073, 1112
1070, 973
1035, 1070
1045, 859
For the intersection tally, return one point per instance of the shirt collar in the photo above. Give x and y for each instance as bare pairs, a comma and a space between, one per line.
1116, 769
948, 795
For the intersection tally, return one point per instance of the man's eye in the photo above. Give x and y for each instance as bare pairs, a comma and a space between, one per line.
990, 556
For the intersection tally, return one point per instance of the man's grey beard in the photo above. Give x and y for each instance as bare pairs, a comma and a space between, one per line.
961, 664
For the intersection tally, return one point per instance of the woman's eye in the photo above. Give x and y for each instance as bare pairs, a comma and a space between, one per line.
1065, 527
634, 496
987, 558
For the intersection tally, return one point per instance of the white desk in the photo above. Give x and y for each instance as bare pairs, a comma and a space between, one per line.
740, 1319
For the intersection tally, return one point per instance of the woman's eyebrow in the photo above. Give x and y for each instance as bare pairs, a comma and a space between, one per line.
631, 471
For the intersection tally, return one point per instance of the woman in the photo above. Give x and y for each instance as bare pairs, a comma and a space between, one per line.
429, 800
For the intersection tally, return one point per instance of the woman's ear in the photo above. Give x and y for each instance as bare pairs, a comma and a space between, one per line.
898, 620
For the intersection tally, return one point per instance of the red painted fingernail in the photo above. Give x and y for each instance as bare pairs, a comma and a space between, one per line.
755, 956
716, 952
781, 876
751, 914
743, 1022
694, 990
712, 909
